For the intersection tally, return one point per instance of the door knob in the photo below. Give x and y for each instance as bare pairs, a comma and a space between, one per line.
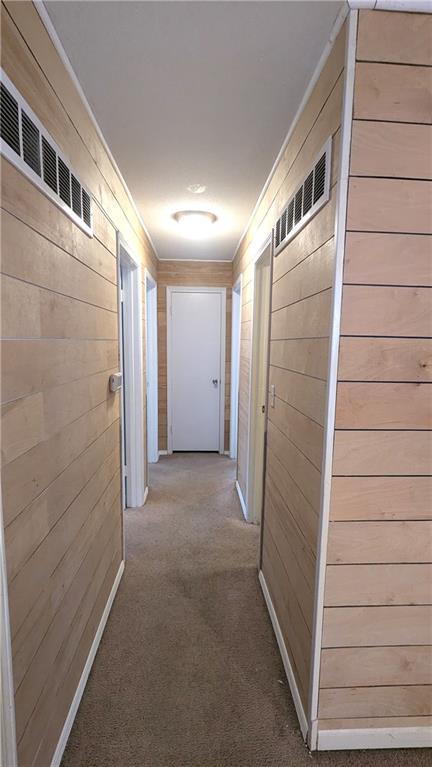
215, 381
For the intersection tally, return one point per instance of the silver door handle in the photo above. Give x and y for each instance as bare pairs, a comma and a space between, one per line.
215, 381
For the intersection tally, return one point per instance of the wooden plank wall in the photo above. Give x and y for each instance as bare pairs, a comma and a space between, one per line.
211, 274
377, 658
60, 425
301, 301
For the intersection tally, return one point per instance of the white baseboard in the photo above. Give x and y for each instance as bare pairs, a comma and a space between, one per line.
146, 492
242, 501
61, 745
163, 452
285, 658
375, 737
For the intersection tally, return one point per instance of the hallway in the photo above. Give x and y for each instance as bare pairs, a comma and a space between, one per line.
188, 673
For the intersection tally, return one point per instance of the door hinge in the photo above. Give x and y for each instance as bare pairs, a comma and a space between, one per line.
125, 471
121, 295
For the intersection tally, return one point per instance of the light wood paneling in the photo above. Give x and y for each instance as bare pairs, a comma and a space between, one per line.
305, 394
385, 359
377, 626
301, 355
360, 542
53, 269
376, 258
390, 453
392, 150
380, 722
376, 662
348, 667
399, 38
190, 274
381, 498
405, 406
379, 584
393, 93
60, 424
412, 700
299, 336
390, 205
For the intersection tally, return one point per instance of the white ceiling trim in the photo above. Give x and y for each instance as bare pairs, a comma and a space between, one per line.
49, 26
324, 56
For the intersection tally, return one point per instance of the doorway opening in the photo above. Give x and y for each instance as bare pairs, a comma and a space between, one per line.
235, 365
258, 384
196, 322
131, 366
151, 368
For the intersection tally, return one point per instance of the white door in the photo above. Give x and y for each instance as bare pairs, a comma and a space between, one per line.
196, 360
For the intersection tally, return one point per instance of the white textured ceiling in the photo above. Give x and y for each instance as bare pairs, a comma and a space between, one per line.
194, 92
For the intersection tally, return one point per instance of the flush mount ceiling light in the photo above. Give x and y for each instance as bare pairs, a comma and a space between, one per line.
196, 188
195, 223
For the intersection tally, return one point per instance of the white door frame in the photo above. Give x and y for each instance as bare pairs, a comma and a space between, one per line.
182, 289
151, 367
253, 504
8, 745
132, 394
235, 364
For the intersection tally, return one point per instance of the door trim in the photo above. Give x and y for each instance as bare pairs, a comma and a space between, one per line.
251, 438
235, 367
152, 410
184, 289
132, 396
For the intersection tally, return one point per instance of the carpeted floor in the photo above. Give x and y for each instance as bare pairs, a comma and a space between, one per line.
188, 672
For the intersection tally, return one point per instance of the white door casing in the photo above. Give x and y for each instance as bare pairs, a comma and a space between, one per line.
134, 461
151, 367
235, 365
258, 384
196, 368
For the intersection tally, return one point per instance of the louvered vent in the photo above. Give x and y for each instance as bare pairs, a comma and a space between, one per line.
31, 143
26, 143
76, 196
312, 194
64, 182
9, 119
49, 158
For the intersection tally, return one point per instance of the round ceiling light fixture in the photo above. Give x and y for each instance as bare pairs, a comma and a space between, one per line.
196, 188
195, 224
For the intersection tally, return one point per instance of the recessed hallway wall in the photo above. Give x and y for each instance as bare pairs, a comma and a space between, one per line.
212, 274
300, 321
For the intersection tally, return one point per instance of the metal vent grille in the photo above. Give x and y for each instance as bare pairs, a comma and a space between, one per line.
49, 159
31, 143
319, 176
86, 208
310, 196
76, 196
26, 143
9, 119
64, 182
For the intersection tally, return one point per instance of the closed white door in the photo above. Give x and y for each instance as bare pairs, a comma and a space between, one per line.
196, 332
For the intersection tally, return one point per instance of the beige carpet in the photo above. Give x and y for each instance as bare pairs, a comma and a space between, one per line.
188, 673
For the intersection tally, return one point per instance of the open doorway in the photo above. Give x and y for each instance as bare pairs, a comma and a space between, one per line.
258, 383
235, 365
151, 368
131, 366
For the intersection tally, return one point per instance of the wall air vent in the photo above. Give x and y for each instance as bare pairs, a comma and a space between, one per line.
25, 143
310, 196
